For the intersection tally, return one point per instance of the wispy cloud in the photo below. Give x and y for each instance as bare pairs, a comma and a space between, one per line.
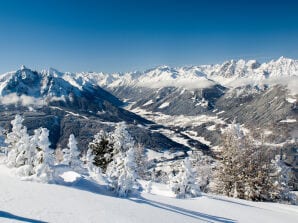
13, 99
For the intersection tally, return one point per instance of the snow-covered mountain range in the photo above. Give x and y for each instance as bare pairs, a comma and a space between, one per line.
231, 73
168, 109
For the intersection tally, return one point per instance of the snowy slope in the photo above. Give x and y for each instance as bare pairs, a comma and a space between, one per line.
22, 201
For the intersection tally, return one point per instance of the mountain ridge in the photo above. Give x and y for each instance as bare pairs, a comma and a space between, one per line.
232, 73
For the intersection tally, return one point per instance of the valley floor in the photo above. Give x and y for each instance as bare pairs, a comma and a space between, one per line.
85, 201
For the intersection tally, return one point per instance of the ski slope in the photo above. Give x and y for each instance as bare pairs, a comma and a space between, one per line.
85, 201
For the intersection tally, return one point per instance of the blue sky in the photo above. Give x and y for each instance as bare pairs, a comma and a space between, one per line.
126, 35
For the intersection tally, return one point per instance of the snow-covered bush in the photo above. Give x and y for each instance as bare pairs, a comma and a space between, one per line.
184, 183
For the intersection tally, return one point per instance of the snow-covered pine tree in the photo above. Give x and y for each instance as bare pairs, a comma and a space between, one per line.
101, 148
93, 170
121, 172
23, 150
184, 183
25, 158
122, 139
74, 154
12, 138
44, 159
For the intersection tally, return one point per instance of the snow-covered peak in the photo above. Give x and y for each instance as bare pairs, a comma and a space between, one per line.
35, 84
52, 72
23, 67
233, 68
281, 67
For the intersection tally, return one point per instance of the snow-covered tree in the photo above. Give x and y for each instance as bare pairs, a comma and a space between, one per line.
229, 173
184, 183
19, 151
202, 166
121, 172
44, 159
92, 169
71, 157
25, 158
282, 174
247, 170
122, 139
101, 148
12, 139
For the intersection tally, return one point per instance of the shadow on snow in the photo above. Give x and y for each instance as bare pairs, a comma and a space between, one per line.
229, 201
10, 216
183, 211
89, 185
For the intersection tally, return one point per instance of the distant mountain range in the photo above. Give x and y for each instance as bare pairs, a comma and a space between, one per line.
232, 73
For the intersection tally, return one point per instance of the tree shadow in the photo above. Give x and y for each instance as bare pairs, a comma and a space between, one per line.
183, 211
8, 215
81, 182
229, 201
91, 186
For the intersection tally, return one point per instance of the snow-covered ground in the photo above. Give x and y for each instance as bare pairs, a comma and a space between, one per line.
85, 201
176, 120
